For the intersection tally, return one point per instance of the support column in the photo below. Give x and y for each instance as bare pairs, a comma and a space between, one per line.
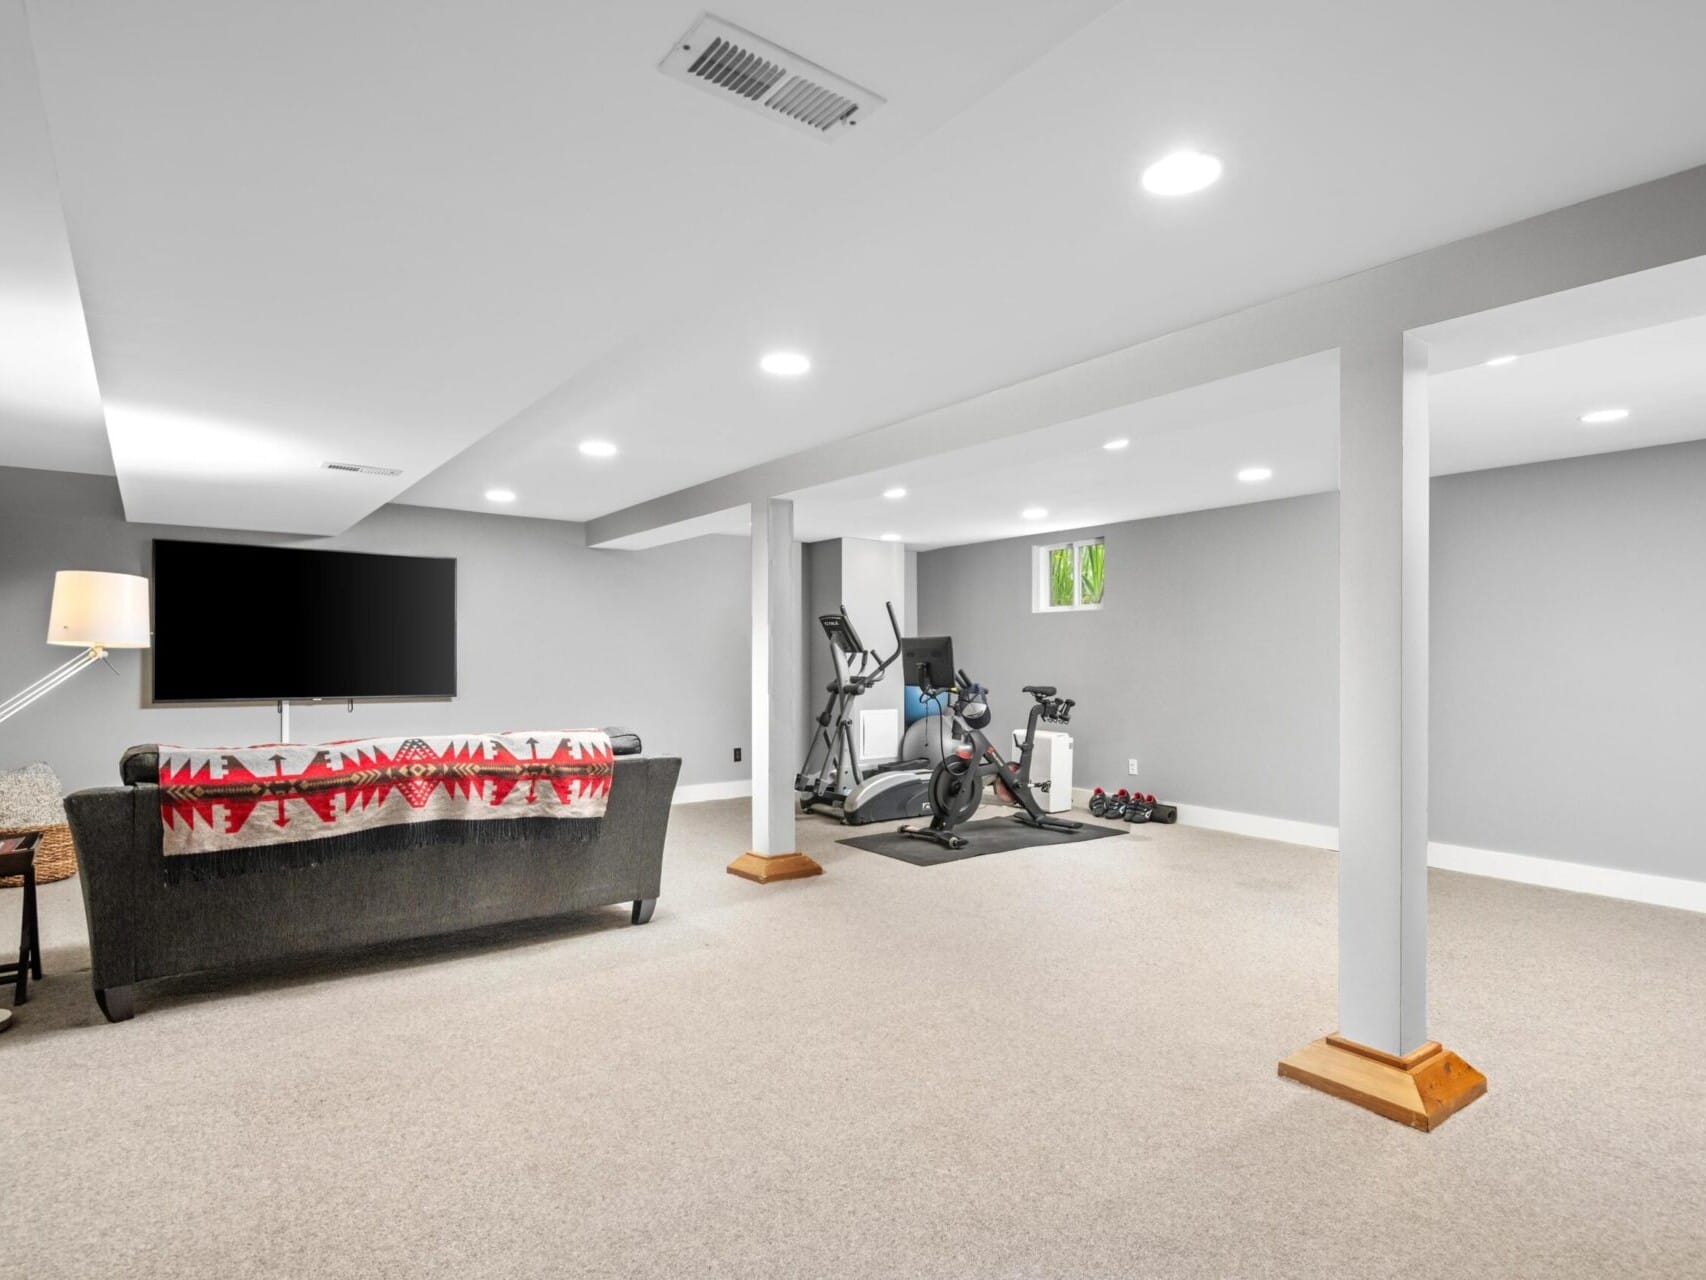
775, 698
1381, 1057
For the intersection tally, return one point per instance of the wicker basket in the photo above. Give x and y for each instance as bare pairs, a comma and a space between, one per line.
56, 856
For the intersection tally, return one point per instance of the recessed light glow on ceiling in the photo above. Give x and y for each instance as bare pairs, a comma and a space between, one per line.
1255, 475
1181, 173
895, 494
165, 443
1114, 446
500, 495
1034, 513
891, 537
598, 448
1498, 362
785, 364
1599, 417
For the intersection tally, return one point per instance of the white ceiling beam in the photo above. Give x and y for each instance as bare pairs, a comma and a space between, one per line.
50, 403
1651, 225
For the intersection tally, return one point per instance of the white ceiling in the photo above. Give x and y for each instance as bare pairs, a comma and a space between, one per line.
372, 232
1531, 410
1015, 240
458, 239
1183, 454
50, 405
1186, 449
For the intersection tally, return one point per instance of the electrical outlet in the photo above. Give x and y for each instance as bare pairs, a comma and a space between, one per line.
737, 755
1131, 766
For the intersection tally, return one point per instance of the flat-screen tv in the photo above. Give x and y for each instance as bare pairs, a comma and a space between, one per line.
259, 624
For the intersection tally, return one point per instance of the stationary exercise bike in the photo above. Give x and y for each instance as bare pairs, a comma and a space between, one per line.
834, 781
956, 784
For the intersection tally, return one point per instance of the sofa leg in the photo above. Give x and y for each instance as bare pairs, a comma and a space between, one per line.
643, 908
117, 1003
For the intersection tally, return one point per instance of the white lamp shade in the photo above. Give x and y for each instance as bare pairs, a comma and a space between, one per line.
106, 609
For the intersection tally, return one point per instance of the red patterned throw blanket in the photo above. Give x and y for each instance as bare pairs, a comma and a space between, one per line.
294, 804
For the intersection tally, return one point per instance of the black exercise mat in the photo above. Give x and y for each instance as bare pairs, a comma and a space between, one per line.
987, 835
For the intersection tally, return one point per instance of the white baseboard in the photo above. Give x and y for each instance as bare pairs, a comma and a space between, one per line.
1285, 830
1577, 877
1548, 873
694, 792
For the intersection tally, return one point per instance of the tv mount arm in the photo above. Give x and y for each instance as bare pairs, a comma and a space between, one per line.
284, 715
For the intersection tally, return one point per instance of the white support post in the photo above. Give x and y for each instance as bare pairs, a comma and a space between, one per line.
1381, 1056
775, 698
1383, 693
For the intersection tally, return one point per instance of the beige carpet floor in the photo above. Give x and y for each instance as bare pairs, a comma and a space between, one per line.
1054, 1062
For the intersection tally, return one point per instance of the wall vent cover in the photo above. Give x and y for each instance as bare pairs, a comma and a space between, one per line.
742, 68
359, 469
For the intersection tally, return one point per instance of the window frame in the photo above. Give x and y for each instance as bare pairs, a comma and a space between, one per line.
1041, 558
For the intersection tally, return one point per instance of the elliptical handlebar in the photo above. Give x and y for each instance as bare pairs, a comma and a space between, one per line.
867, 675
894, 625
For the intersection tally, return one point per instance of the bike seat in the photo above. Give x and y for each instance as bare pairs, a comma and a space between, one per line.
1039, 690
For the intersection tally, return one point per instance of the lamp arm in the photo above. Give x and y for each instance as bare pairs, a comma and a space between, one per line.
51, 681
46, 681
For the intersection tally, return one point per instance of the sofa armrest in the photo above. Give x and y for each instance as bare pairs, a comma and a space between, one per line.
111, 863
658, 775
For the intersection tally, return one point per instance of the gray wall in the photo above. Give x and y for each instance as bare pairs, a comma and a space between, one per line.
1568, 650
820, 593
550, 633
1569, 660
1213, 661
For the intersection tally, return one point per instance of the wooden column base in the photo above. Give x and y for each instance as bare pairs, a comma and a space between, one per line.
762, 869
1422, 1089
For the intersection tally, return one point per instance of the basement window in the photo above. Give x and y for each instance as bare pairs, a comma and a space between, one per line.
1068, 576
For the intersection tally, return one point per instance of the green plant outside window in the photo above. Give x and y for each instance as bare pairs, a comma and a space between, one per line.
1076, 575
1092, 556
1060, 577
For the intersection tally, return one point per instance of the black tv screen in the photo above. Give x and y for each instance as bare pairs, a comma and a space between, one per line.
259, 624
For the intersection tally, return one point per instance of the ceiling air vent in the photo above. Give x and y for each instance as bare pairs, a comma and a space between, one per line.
363, 471
738, 67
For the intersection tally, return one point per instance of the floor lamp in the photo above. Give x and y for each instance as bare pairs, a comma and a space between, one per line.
93, 612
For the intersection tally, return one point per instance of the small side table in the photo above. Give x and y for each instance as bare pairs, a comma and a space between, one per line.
18, 858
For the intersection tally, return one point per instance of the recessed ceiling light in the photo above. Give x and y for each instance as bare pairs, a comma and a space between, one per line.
598, 448
500, 495
1499, 361
1599, 417
894, 494
1034, 513
1114, 446
891, 537
1255, 475
1181, 173
785, 364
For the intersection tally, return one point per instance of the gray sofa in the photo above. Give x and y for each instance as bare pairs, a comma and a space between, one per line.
140, 927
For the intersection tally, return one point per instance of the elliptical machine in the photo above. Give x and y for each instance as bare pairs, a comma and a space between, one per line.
956, 784
837, 784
